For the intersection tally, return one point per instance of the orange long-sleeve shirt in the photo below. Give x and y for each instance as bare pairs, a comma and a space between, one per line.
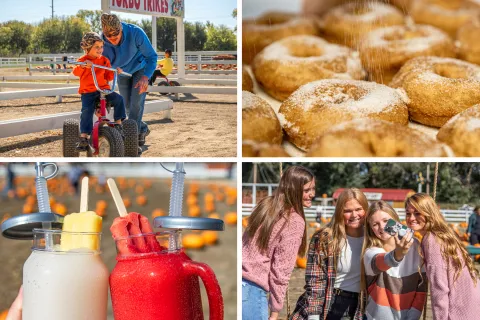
86, 78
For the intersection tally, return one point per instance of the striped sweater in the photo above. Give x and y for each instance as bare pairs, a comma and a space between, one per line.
395, 289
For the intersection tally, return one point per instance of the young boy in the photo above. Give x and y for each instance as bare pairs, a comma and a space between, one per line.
166, 66
92, 45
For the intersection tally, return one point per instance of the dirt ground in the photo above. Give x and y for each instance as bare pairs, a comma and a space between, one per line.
202, 125
222, 258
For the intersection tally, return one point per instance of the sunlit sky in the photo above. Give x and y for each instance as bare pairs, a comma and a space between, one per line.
31, 11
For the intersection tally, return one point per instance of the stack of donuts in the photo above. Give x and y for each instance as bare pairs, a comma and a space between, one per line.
364, 79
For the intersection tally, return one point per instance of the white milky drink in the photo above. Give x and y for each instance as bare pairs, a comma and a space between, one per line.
59, 285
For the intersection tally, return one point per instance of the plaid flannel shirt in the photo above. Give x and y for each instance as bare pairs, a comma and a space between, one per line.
319, 281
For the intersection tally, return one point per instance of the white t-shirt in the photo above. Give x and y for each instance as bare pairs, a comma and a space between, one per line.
348, 266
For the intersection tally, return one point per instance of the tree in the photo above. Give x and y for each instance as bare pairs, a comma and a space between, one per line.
59, 35
220, 38
73, 29
234, 15
195, 36
15, 37
166, 33
93, 18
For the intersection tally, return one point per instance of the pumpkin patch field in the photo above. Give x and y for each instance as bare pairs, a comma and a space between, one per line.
150, 197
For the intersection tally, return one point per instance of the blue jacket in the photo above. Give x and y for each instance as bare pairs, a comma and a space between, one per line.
134, 52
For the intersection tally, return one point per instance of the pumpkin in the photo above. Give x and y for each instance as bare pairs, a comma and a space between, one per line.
192, 200
102, 204
230, 218
27, 208
194, 188
99, 189
210, 237
52, 202
463, 225
194, 211
209, 206
131, 183
465, 243
139, 189
21, 193
30, 200
219, 197
193, 241
158, 213
60, 209
209, 197
142, 200
100, 212
147, 183
3, 315
302, 262
245, 222
127, 202
214, 215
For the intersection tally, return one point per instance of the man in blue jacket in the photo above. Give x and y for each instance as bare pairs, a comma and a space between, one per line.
473, 229
129, 49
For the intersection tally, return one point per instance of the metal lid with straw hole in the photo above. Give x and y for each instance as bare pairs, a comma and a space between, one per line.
188, 223
21, 227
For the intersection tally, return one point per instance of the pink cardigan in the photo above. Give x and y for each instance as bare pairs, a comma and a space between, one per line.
272, 270
459, 300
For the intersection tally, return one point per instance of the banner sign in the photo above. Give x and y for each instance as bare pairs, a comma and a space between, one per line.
160, 8
373, 196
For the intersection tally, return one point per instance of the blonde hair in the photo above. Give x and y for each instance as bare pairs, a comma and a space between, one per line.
449, 242
88, 41
335, 229
371, 240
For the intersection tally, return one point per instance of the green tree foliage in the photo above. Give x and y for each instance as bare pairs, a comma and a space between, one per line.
195, 36
59, 35
220, 38
92, 17
458, 183
15, 37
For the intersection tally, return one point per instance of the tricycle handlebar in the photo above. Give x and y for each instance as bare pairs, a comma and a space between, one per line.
98, 66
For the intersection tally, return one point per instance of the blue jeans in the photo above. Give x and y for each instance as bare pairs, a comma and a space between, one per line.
134, 102
88, 109
254, 302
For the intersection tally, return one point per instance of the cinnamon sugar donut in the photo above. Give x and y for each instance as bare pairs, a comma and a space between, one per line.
348, 23
287, 64
375, 138
269, 27
259, 122
403, 5
383, 51
467, 39
254, 149
247, 82
448, 15
462, 133
318, 105
438, 88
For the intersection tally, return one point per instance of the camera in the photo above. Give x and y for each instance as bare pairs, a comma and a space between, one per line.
393, 227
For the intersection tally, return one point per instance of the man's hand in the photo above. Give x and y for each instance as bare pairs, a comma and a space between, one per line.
119, 70
142, 85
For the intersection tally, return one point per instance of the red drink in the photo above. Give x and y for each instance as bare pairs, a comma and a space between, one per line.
162, 285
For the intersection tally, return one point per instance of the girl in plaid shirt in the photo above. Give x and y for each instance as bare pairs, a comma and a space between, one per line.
275, 235
455, 291
332, 289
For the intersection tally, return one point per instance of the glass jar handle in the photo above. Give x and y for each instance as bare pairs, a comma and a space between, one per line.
215, 300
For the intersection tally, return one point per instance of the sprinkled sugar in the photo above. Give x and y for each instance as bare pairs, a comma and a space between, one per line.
473, 124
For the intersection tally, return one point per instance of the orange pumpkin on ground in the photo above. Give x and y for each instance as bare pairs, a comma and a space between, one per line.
102, 204
192, 200
158, 213
194, 211
214, 215
210, 237
60, 209
193, 241
142, 200
209, 197
230, 218
127, 202
6, 216
302, 262
139, 189
245, 222
27, 208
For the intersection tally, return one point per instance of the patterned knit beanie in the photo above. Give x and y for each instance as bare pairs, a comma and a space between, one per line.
89, 40
111, 25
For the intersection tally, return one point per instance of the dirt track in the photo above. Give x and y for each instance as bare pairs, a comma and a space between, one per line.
202, 125
222, 258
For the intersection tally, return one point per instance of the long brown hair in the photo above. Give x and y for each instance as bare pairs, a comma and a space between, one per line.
335, 229
450, 243
371, 240
288, 195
